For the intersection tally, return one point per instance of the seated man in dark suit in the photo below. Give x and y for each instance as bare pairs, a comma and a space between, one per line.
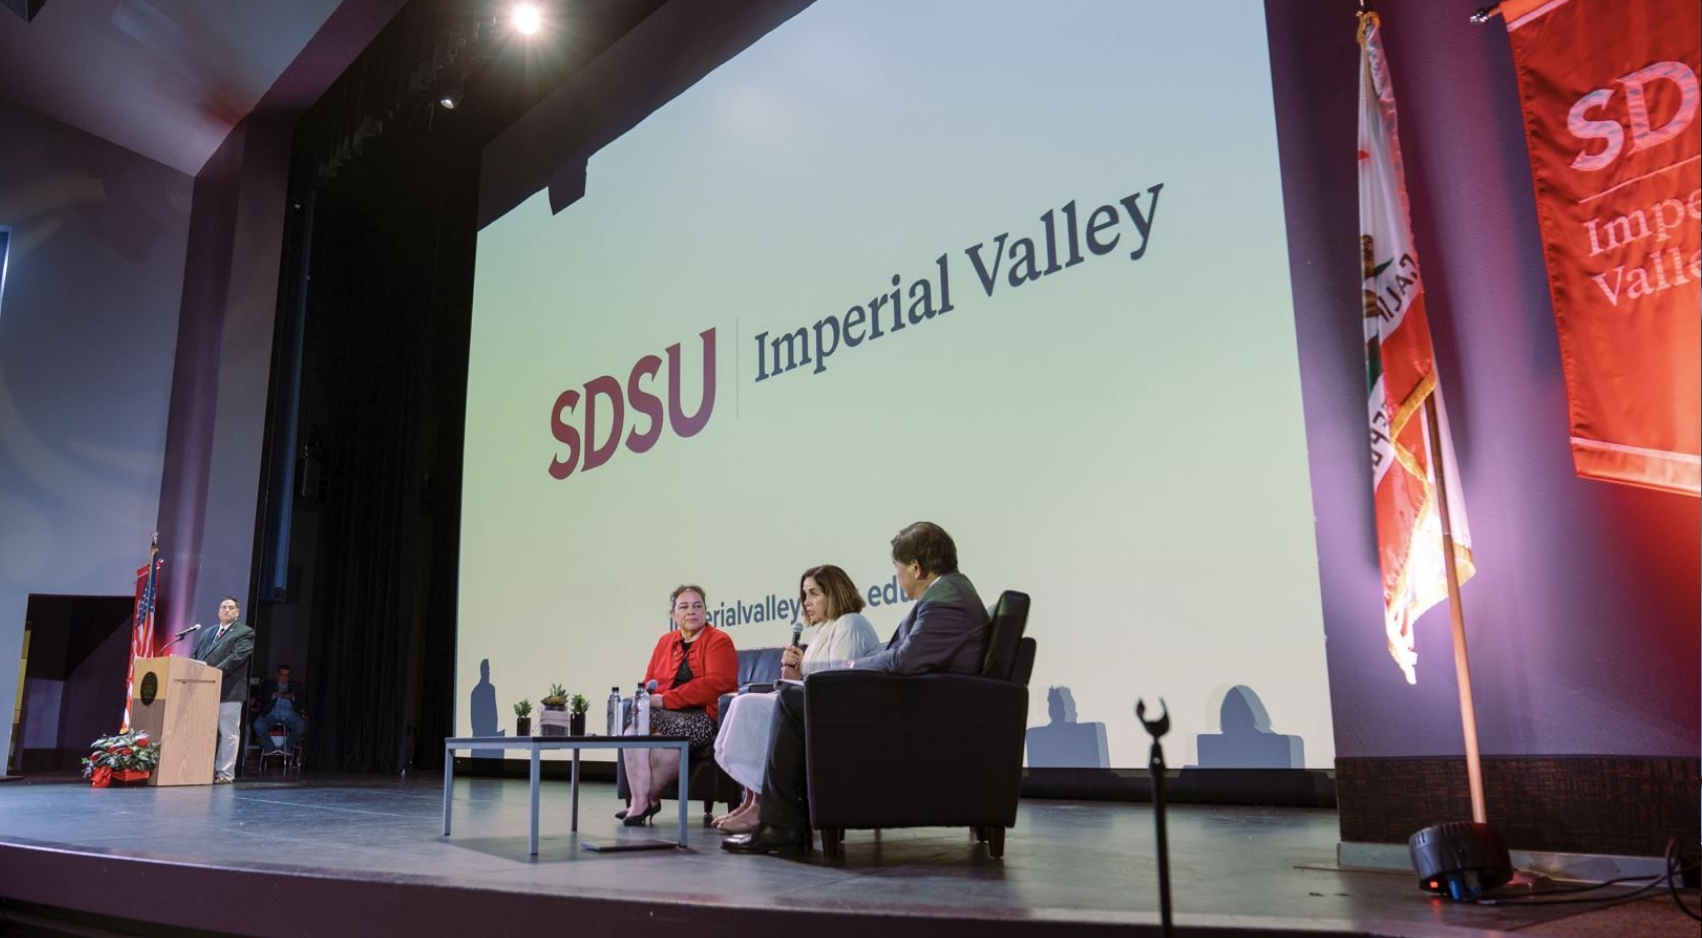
946, 631
280, 704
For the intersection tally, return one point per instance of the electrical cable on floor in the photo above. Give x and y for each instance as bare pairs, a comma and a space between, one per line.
1675, 870
1567, 890
1538, 900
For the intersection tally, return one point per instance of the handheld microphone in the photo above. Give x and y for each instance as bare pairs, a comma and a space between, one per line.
650, 686
797, 633
194, 628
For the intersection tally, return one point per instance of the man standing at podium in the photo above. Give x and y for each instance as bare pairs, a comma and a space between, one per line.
227, 648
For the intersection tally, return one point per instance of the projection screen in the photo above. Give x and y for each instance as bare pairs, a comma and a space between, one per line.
1017, 269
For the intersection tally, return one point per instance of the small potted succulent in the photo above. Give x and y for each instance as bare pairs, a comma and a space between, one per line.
577, 705
553, 720
523, 718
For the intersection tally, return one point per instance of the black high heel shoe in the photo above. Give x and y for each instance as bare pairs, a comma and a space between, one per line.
620, 815
643, 817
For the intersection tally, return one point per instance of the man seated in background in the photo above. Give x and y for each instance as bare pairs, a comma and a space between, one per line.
280, 705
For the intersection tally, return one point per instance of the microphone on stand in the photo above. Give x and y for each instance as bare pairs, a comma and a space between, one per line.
179, 637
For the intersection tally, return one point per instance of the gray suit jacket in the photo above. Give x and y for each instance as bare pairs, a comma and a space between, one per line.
946, 631
228, 654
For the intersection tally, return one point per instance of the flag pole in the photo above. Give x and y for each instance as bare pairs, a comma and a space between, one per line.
1456, 615
153, 586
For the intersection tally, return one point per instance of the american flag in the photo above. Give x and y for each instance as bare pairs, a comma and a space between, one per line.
142, 636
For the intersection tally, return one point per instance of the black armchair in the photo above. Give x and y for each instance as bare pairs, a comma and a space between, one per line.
934, 750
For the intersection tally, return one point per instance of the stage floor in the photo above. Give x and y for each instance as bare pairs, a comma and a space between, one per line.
334, 845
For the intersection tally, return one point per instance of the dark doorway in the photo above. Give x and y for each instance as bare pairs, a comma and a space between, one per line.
76, 649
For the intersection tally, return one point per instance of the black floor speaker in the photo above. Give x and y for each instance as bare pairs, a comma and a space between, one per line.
1460, 859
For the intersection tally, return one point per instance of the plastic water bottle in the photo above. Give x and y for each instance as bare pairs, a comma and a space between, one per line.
641, 711
615, 711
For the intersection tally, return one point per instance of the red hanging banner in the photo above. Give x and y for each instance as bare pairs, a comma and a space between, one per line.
1610, 96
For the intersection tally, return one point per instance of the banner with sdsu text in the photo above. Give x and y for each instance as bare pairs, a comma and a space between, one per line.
1610, 97
1401, 372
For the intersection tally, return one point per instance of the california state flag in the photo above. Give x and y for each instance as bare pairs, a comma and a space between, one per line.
1401, 369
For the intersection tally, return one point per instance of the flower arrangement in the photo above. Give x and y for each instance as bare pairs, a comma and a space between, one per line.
127, 757
556, 699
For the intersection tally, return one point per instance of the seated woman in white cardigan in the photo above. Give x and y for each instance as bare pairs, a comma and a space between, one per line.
830, 600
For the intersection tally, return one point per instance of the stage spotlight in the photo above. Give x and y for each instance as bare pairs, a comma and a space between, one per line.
528, 19
450, 96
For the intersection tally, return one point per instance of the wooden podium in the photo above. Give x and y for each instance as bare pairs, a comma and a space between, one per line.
176, 703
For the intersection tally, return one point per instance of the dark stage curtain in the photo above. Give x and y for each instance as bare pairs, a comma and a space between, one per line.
385, 185
384, 390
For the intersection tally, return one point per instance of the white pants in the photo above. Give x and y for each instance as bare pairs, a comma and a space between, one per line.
742, 744
230, 740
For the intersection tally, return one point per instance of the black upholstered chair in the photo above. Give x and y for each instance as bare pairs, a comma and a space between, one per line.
933, 750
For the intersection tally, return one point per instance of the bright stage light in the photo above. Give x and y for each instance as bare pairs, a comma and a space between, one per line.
528, 19
449, 93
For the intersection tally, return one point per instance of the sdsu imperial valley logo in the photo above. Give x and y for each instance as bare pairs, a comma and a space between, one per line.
605, 411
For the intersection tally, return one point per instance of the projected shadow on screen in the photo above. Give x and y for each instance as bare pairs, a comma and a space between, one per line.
483, 711
1247, 741
1064, 743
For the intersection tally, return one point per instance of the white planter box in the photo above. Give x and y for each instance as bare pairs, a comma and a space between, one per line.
552, 722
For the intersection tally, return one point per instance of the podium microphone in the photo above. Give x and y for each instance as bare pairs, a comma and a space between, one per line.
179, 637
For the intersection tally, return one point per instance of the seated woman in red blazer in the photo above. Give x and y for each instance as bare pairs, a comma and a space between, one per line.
693, 665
